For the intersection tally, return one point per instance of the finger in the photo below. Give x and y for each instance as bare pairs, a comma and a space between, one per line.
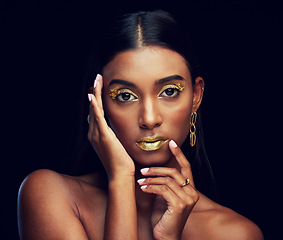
92, 124
174, 201
164, 172
97, 90
182, 192
162, 190
182, 161
91, 112
90, 120
98, 115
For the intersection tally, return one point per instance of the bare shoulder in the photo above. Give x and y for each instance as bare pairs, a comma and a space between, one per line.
41, 176
51, 184
231, 225
42, 185
224, 223
45, 198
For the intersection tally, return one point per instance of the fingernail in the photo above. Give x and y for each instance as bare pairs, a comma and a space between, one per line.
141, 181
173, 144
94, 84
89, 96
143, 187
144, 170
98, 77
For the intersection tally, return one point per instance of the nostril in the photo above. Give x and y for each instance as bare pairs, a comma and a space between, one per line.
149, 126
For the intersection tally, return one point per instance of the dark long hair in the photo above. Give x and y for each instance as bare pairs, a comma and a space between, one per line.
132, 31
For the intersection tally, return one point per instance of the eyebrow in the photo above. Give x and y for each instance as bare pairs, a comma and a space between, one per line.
158, 82
122, 82
168, 79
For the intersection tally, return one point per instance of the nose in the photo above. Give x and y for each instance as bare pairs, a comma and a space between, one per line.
149, 115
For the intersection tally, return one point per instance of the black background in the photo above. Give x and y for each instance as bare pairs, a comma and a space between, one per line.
44, 49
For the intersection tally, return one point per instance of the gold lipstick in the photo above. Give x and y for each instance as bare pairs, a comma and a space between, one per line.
151, 143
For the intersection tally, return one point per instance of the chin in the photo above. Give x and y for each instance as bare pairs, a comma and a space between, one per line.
156, 158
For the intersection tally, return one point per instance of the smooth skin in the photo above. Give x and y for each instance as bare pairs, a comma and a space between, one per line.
144, 198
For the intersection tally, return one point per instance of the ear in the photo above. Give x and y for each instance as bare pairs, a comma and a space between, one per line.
198, 93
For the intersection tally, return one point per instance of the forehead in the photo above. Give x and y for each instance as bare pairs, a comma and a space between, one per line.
146, 63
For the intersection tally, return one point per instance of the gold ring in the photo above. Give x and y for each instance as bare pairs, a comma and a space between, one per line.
187, 181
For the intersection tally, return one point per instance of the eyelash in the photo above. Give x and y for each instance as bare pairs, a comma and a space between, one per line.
116, 93
177, 87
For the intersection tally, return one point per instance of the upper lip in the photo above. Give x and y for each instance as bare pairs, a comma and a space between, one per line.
152, 139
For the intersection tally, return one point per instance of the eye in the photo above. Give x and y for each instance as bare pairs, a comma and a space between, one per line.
170, 92
125, 97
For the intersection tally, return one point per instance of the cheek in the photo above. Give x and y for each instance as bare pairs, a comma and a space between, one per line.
122, 123
178, 121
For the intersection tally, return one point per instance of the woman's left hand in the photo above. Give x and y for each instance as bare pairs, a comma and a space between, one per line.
168, 221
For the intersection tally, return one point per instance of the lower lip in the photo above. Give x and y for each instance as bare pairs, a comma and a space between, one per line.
151, 146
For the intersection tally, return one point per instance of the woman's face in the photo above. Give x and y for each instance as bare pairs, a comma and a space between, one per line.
148, 97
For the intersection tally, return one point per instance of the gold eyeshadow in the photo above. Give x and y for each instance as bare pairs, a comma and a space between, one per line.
114, 93
179, 86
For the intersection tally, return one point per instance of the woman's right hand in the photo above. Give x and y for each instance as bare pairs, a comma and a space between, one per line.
113, 155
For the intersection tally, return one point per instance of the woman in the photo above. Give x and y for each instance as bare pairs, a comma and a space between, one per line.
144, 107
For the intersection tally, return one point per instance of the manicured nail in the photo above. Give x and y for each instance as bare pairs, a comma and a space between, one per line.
89, 96
141, 181
98, 77
144, 170
95, 82
143, 187
173, 144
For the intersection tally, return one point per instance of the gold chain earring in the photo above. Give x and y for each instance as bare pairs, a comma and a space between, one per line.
193, 129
